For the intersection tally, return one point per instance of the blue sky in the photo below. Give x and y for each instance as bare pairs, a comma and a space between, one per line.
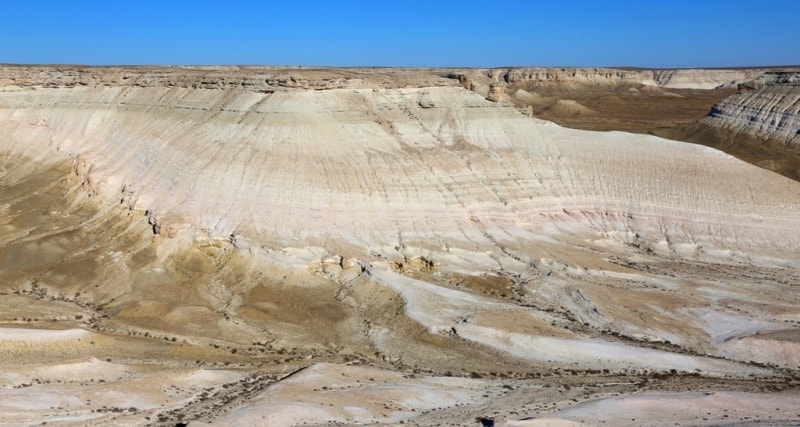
699, 33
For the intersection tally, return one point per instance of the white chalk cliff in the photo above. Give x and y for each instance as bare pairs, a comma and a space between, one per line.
437, 165
767, 107
379, 187
668, 78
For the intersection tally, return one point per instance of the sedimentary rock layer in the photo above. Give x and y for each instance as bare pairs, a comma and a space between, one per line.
767, 107
248, 235
676, 79
365, 166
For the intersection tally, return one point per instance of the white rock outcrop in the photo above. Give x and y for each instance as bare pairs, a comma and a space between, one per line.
668, 78
359, 166
768, 107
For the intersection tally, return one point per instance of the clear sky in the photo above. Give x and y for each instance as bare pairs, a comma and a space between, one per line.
668, 33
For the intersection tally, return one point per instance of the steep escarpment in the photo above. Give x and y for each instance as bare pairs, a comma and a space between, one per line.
290, 242
668, 78
767, 107
759, 123
703, 78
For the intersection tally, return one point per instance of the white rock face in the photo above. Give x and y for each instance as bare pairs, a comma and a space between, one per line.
702, 78
770, 109
673, 78
382, 219
362, 166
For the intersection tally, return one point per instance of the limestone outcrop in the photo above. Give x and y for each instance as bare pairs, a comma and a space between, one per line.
240, 245
496, 93
349, 171
668, 78
703, 78
767, 107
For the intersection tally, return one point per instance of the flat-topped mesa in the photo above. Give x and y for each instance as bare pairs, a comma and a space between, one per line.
767, 107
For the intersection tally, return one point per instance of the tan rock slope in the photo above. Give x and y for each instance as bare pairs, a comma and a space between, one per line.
279, 241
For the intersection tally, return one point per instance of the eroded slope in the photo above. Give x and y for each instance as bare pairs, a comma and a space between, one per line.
235, 234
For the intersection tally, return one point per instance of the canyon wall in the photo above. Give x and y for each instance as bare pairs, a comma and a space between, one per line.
668, 78
767, 107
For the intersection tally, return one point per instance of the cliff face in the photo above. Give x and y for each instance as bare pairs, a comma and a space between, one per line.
676, 79
573, 75
702, 78
768, 108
